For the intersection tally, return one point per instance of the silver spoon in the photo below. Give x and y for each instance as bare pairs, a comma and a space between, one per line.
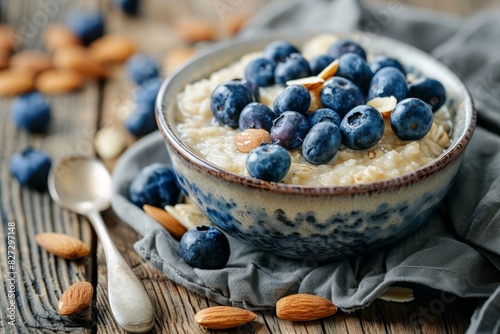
83, 185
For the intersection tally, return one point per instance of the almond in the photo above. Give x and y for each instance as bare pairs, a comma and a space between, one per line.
397, 294
57, 35
188, 215
311, 83
112, 48
57, 81
223, 317
249, 139
330, 70
62, 245
76, 298
77, 58
14, 82
31, 60
385, 105
304, 307
195, 29
7, 38
176, 57
166, 220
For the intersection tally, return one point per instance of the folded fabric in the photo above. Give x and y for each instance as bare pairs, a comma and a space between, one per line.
459, 241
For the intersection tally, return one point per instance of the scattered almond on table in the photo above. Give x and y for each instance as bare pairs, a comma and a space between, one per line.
77, 58
176, 57
58, 35
15, 82
166, 220
112, 48
304, 307
223, 317
58, 81
76, 298
30, 60
195, 29
62, 245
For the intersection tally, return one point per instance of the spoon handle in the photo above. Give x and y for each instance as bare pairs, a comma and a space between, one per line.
130, 304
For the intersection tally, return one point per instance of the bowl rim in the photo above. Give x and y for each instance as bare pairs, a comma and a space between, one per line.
189, 156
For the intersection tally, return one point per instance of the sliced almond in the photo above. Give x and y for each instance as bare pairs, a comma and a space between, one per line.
249, 139
397, 294
223, 317
62, 245
76, 298
330, 70
112, 48
166, 220
385, 105
304, 307
77, 58
188, 215
311, 83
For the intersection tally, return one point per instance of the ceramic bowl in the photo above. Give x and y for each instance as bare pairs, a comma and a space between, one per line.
315, 222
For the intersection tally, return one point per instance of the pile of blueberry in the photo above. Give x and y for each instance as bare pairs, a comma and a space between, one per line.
344, 119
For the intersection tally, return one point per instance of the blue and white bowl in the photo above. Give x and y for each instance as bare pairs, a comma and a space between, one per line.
315, 222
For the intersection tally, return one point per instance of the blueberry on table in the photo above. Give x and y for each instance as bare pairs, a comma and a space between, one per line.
205, 247
154, 185
31, 112
141, 67
293, 98
256, 116
289, 129
318, 63
87, 25
362, 128
130, 7
353, 67
268, 162
411, 119
341, 95
430, 91
279, 50
31, 168
292, 67
386, 82
344, 46
261, 72
324, 115
141, 121
384, 61
321, 143
228, 100
146, 92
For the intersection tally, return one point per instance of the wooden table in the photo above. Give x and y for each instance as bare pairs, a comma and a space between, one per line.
40, 278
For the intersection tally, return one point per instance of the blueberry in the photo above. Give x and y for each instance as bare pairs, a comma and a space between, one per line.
256, 116
324, 115
344, 46
321, 143
386, 82
353, 67
293, 98
31, 168
289, 129
268, 162
292, 67
205, 247
141, 121
279, 50
32, 112
146, 92
383, 61
130, 7
154, 185
411, 119
362, 128
430, 91
261, 72
87, 25
318, 63
252, 87
141, 67
228, 100
341, 95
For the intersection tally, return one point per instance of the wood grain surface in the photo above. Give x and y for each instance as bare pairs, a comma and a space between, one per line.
40, 278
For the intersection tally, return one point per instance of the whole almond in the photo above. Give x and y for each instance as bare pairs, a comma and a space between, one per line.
58, 81
7, 38
330, 70
31, 60
223, 317
195, 29
304, 307
57, 35
62, 245
77, 58
76, 298
14, 82
249, 139
166, 220
112, 48
311, 83
176, 57
4, 59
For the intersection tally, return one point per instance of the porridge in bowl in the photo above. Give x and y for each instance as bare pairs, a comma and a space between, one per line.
390, 156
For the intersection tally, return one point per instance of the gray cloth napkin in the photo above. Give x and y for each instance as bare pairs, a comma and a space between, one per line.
457, 251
